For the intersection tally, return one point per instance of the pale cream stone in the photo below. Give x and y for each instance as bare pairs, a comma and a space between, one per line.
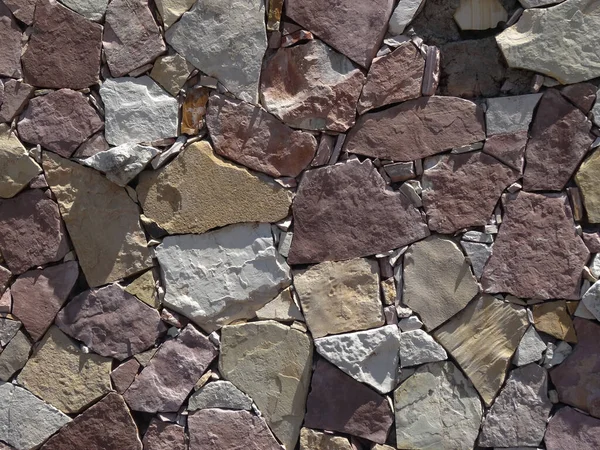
171, 72
143, 288
17, 169
171, 10
588, 180
480, 14
282, 308
317, 440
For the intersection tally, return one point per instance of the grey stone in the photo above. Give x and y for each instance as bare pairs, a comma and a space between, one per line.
410, 323
282, 308
531, 348
14, 356
8, 328
417, 347
478, 236
510, 114
478, 255
219, 394
591, 300
92, 9
403, 15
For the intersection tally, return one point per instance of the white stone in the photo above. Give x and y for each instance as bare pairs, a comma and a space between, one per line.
531, 348
226, 40
138, 110
478, 236
595, 265
478, 255
123, 163
370, 356
218, 277
559, 354
510, 114
583, 312
91, 9
285, 242
591, 300
25, 420
403, 15
410, 323
596, 112
282, 308
537, 3
219, 394
418, 347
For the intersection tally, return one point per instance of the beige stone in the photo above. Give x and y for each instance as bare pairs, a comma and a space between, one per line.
588, 180
102, 220
143, 288
337, 297
317, 440
553, 318
482, 339
17, 169
171, 72
199, 191
62, 375
171, 10
272, 364
438, 281
282, 308
480, 14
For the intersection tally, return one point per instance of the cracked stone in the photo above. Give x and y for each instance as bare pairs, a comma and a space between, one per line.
16, 95
553, 318
508, 148
10, 54
478, 255
531, 348
571, 429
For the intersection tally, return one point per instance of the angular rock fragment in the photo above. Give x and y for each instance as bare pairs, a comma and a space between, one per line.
311, 86
14, 356
59, 121
171, 10
111, 322
282, 308
441, 393
537, 253
63, 50
95, 144
508, 148
467, 337
39, 294
17, 169
582, 95
315, 440
587, 180
338, 297
219, 394
193, 110
249, 136
131, 37
552, 318
64, 376
91, 9
337, 402
199, 191
10, 54
403, 15
518, 416
124, 374
477, 254
171, 72
333, 202
438, 282
370, 357
531, 348
268, 360
227, 43
164, 436
560, 138
16, 95
480, 14
137, 110
506, 115
22, 9
143, 287
107, 424
570, 428
222, 276
417, 128
417, 347
461, 191
102, 220
8, 328
354, 28
31, 231
592, 241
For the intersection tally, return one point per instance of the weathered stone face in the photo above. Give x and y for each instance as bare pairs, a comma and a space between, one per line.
570, 428
10, 33
164, 436
587, 180
17, 169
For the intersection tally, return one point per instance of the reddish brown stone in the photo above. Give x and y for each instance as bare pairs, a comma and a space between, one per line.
570, 429
346, 210
577, 379
508, 148
59, 121
219, 429
353, 27
39, 294
96, 144
16, 94
165, 436
31, 231
10, 50
111, 322
171, 374
250, 136
5, 276
417, 128
560, 138
124, 374
462, 190
435, 23
592, 241
582, 95
63, 50
106, 425
337, 402
537, 253
22, 9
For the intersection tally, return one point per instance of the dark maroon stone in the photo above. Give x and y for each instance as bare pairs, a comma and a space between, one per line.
570, 429
582, 95
96, 144
592, 241
5, 276
16, 94
124, 374
22, 9
10, 49
508, 148
164, 436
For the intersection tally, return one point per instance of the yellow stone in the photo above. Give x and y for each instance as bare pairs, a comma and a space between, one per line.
480, 14
588, 180
316, 440
193, 110
143, 288
552, 318
171, 10
17, 169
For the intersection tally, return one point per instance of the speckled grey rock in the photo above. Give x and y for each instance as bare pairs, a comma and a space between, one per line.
219, 394
417, 347
14, 356
510, 114
531, 348
478, 254
403, 15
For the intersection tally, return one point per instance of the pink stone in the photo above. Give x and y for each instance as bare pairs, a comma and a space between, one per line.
95, 144
16, 94
165, 436
582, 95
508, 148
124, 374
10, 50
570, 429
592, 241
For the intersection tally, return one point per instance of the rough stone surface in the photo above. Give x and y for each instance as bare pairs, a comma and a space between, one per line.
571, 429
171, 10
91, 9
164, 436
582, 95
441, 393
10, 54
537, 253
370, 357
482, 339
417, 347
553, 318
393, 78
31, 231
478, 255
560, 138
222, 276
61, 374
95, 144
417, 128
14, 356
268, 360
367, 22
137, 110
205, 36
531, 348
588, 182
315, 440
171, 72
199, 191
438, 282
16, 95
568, 26
337, 402
124, 374
311, 86
107, 424
215, 429
403, 15
8, 328
219, 394
59, 121
252, 137
333, 202
461, 191
111, 322
519, 414
591, 298
480, 14
508, 148
25, 420
17, 169
63, 50
39, 294
170, 375
143, 287
507, 115
282, 308
131, 37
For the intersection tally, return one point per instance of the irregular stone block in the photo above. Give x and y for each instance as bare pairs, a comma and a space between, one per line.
417, 347
552, 318
95, 144
508, 148
91, 9
143, 287
124, 374
582, 95
16, 95
531, 348
10, 34
506, 115
171, 72
315, 440
282, 308
219, 394
571, 429
171, 10
480, 14
14, 356
17, 169
477, 254
164, 436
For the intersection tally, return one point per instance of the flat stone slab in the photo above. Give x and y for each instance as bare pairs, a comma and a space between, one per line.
508, 148
553, 318
16, 95
91, 9
10, 58
124, 374
315, 440
510, 114
171, 10
571, 429
282, 308
14, 356
417, 347
219, 394
531, 348
403, 15
22, 9
164, 436
587, 179
17, 169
